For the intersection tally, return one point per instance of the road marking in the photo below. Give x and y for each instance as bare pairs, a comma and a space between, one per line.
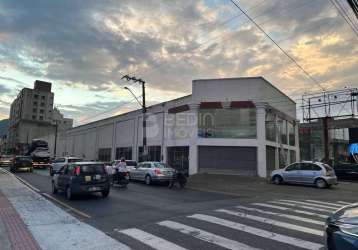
150, 239
290, 210
259, 232
66, 206
293, 217
302, 206
344, 203
206, 236
326, 203
311, 204
273, 222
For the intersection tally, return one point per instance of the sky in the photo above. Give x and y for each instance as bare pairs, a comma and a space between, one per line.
84, 47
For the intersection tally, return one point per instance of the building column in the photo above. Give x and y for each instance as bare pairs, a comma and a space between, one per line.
261, 138
297, 141
193, 147
164, 137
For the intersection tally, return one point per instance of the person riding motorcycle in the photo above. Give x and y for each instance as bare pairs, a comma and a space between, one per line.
119, 169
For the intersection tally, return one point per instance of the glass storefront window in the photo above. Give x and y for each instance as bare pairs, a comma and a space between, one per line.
282, 125
292, 156
291, 133
270, 125
227, 123
283, 153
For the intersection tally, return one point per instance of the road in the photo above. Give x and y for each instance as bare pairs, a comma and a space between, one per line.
155, 217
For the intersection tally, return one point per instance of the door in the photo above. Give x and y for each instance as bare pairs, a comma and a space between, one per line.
61, 179
178, 158
308, 172
142, 171
291, 172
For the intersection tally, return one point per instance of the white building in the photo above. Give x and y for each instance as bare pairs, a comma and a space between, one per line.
235, 126
32, 115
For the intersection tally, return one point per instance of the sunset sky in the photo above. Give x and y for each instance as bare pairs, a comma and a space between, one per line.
85, 47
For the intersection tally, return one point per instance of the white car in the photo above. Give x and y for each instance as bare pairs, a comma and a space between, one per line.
58, 163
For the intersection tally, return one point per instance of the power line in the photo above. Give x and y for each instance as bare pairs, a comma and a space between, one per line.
346, 18
282, 50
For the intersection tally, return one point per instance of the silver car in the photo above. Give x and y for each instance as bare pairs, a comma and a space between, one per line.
58, 163
150, 172
306, 172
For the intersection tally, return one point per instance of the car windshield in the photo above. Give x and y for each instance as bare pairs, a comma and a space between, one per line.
92, 169
131, 163
41, 149
74, 160
23, 159
161, 165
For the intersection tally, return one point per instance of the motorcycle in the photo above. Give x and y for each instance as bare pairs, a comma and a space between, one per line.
120, 178
179, 180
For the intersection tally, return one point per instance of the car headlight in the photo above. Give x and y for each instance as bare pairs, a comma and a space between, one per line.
349, 229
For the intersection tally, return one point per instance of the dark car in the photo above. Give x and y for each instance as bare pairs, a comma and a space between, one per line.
21, 163
81, 178
346, 170
342, 229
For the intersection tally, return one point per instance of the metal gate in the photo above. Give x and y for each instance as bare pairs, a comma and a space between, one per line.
228, 160
178, 158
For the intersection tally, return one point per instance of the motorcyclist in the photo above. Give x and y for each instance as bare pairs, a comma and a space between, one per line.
178, 177
121, 166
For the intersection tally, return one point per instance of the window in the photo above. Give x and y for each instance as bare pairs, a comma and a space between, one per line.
34, 110
315, 167
270, 124
41, 111
125, 152
293, 167
292, 156
36, 96
154, 153
59, 160
283, 157
35, 103
34, 117
42, 104
227, 123
291, 134
282, 126
41, 118
42, 97
104, 154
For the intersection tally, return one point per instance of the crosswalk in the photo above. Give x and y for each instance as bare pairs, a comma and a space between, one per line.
275, 224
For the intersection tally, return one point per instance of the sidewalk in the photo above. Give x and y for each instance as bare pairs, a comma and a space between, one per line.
29, 221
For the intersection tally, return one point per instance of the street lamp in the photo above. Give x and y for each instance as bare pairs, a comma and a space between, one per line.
144, 110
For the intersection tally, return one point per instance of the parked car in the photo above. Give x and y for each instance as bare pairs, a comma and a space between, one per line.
307, 172
6, 160
347, 171
342, 229
21, 163
150, 172
58, 163
81, 178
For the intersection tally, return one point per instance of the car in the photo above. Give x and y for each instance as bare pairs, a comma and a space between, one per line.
150, 172
58, 163
346, 170
342, 229
131, 164
6, 160
306, 172
81, 178
21, 163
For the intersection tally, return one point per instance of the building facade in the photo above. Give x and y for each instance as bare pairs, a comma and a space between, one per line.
32, 115
232, 126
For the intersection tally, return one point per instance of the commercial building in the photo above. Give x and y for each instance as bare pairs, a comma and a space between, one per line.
233, 126
32, 115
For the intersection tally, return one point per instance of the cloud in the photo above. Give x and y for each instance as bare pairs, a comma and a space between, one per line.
90, 44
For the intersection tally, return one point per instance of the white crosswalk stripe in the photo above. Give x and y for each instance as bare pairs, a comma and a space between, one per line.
273, 222
311, 204
259, 232
150, 239
344, 203
289, 216
290, 210
326, 203
206, 236
302, 206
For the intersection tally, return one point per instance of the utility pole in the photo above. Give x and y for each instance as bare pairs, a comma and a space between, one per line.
55, 147
144, 111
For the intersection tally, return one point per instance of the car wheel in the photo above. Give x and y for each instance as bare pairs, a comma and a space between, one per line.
148, 180
105, 193
69, 194
277, 180
320, 183
54, 189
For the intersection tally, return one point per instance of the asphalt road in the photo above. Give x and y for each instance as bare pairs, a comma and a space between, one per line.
155, 217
